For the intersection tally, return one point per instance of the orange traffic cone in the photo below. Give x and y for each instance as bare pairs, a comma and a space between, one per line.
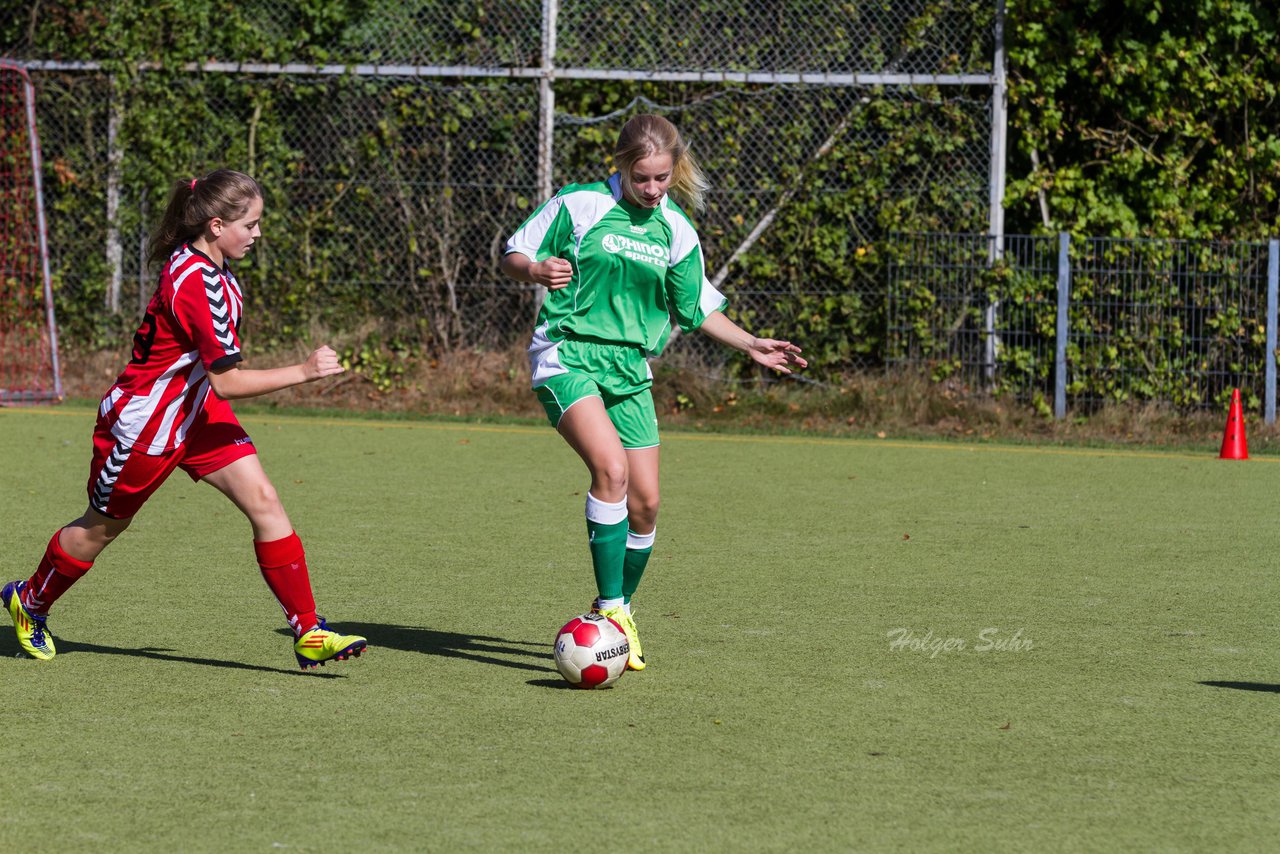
1234, 446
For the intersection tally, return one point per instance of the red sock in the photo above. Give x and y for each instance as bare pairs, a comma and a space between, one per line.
53, 577
284, 566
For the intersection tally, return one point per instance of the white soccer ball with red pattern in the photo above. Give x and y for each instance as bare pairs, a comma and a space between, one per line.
591, 651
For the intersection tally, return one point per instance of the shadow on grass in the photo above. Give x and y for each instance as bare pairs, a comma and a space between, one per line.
481, 648
1264, 687
559, 683
68, 647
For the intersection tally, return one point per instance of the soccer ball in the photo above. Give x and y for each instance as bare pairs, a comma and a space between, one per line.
591, 651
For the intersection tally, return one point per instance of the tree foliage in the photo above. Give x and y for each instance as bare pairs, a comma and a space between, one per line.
1140, 118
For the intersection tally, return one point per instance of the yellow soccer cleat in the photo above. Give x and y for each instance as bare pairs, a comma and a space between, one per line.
320, 645
33, 634
635, 661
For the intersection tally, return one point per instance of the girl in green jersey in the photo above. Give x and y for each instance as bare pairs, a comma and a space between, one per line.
620, 260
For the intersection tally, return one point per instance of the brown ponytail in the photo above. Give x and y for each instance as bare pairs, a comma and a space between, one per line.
223, 193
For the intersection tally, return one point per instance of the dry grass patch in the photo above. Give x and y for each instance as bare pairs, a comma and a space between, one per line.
495, 384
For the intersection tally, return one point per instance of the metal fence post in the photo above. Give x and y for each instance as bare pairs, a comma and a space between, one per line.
999, 131
1060, 342
115, 157
546, 117
547, 100
1273, 275
42, 231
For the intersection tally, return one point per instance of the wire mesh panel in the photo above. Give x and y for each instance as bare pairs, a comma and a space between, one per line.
1024, 317
796, 36
803, 36
793, 226
401, 142
976, 319
396, 205
495, 33
1182, 322
1176, 322
387, 199
72, 114
28, 346
498, 33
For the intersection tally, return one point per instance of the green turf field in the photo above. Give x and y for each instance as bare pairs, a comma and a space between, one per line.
815, 617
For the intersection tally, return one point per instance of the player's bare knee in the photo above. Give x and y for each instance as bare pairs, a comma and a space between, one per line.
262, 502
110, 532
612, 477
643, 511
86, 537
93, 529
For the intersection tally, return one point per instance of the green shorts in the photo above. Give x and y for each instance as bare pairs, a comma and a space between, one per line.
618, 374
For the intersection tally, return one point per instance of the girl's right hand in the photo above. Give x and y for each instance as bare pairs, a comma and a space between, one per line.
552, 274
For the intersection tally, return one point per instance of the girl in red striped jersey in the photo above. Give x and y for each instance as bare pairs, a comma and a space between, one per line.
169, 410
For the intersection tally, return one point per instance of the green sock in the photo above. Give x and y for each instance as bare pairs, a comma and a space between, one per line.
639, 547
607, 539
608, 544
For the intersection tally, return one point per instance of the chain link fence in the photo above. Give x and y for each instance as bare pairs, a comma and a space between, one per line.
401, 143
920, 37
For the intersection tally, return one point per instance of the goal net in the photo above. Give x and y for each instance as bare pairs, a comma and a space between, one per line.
28, 334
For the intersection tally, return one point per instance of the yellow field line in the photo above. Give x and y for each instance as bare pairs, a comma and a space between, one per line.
677, 436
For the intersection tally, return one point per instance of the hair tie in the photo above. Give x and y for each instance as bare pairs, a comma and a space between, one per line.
193, 184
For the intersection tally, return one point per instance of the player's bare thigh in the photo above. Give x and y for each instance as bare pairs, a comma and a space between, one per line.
246, 483
588, 430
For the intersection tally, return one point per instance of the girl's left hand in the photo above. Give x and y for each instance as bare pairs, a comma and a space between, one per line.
781, 356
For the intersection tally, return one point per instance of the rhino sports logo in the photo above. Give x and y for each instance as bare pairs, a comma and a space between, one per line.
634, 250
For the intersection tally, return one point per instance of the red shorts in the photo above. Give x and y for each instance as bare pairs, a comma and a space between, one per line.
121, 480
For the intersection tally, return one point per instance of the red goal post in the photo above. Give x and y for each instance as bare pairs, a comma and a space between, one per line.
29, 371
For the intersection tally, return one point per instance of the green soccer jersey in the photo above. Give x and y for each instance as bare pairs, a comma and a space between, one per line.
634, 268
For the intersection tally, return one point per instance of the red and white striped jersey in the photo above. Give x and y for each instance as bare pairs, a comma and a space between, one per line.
191, 327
